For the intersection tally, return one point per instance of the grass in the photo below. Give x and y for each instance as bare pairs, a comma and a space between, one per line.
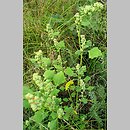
36, 16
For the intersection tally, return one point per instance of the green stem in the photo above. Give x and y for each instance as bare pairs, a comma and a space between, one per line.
81, 59
70, 97
79, 38
77, 95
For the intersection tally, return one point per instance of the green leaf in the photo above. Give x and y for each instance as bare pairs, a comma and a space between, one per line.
55, 92
57, 101
73, 94
56, 33
33, 60
54, 115
69, 71
53, 125
90, 88
26, 104
59, 78
94, 53
82, 70
78, 89
26, 90
46, 61
62, 88
66, 116
85, 22
49, 74
58, 67
78, 53
39, 116
87, 78
60, 45
68, 109
88, 44
84, 100
65, 99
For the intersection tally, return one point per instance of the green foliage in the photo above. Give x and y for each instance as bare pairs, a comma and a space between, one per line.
39, 116
59, 78
68, 89
53, 125
60, 45
26, 104
69, 71
94, 53
49, 74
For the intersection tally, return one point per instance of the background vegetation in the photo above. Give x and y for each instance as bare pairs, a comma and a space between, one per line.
60, 15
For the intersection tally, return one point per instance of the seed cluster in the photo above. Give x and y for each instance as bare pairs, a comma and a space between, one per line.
34, 101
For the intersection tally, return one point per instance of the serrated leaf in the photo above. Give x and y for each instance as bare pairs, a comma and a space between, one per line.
82, 70
53, 125
69, 71
59, 78
88, 44
49, 74
94, 53
85, 22
39, 116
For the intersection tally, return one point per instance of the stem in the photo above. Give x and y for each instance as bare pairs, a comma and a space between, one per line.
81, 59
79, 38
40, 124
70, 96
77, 95
69, 124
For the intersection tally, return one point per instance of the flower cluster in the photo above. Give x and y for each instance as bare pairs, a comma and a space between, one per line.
60, 113
34, 101
38, 80
83, 43
38, 57
78, 18
50, 103
50, 31
77, 67
88, 9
